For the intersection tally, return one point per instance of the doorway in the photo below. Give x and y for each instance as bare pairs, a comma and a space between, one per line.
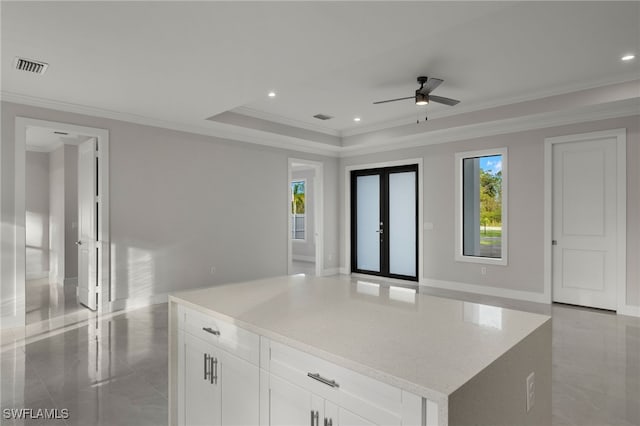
60, 170
587, 214
305, 218
384, 221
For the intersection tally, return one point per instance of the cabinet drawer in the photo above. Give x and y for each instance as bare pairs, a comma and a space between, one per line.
355, 392
240, 342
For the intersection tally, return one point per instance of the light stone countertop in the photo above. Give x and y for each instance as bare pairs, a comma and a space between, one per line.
423, 344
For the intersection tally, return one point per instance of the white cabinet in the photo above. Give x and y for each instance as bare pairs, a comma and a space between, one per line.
306, 390
225, 375
291, 405
216, 386
200, 390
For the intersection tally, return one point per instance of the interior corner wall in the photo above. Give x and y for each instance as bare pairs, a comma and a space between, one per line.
37, 215
306, 250
525, 271
181, 203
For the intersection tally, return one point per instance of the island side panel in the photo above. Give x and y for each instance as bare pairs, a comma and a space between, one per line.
173, 363
497, 395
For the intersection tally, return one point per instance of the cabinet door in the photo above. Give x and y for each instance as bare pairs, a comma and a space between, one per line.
240, 391
291, 405
347, 418
199, 398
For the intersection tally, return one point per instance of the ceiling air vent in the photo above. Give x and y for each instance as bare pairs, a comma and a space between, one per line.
30, 65
322, 117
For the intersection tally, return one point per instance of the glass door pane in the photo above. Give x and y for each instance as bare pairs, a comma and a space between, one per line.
368, 223
402, 223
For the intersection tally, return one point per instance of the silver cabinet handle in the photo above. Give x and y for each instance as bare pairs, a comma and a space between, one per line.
315, 418
328, 422
318, 377
206, 362
211, 330
214, 370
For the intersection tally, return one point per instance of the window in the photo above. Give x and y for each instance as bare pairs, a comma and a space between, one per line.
298, 220
481, 206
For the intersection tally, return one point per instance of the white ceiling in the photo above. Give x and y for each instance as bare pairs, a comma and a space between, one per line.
186, 61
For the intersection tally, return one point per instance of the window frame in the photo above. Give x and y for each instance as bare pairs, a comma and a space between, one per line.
292, 216
459, 215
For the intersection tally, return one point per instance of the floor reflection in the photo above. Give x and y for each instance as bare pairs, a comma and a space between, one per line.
105, 371
113, 370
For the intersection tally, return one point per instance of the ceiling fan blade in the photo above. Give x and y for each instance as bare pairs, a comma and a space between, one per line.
393, 100
431, 84
443, 100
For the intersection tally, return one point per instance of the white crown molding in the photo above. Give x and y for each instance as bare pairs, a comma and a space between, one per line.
208, 128
250, 112
624, 108
478, 106
618, 109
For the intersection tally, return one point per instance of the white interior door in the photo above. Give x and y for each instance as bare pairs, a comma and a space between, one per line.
87, 225
585, 223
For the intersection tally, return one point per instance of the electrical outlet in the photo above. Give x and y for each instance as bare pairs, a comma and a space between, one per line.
212, 270
483, 270
531, 391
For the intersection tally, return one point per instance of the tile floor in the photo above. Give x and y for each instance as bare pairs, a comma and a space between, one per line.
113, 370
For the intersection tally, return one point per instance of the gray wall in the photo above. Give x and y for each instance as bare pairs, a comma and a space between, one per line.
56, 216
37, 219
180, 204
526, 203
305, 250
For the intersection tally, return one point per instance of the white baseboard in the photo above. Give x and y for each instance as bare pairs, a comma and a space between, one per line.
302, 258
486, 290
327, 272
36, 275
630, 310
344, 271
138, 302
71, 282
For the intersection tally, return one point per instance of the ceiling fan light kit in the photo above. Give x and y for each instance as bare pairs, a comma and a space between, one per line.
421, 98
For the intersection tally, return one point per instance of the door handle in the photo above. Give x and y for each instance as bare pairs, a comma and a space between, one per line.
78, 243
211, 330
315, 418
206, 362
318, 377
380, 231
213, 362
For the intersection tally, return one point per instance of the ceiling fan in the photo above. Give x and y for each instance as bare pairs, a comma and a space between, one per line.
423, 95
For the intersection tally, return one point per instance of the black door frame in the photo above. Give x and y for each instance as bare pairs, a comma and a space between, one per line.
384, 173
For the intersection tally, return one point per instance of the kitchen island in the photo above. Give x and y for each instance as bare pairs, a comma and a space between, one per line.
341, 351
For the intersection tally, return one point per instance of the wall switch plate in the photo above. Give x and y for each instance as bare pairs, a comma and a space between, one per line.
483, 270
531, 391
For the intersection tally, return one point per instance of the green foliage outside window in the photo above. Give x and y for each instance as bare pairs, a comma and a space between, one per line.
297, 203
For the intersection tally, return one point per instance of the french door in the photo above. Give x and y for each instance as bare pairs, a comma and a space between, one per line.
384, 222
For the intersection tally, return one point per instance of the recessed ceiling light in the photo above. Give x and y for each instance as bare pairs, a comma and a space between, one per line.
628, 57
356, 119
272, 94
